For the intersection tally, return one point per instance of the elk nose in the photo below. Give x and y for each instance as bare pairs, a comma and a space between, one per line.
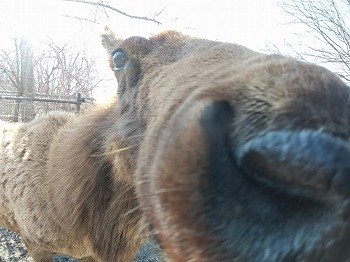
310, 163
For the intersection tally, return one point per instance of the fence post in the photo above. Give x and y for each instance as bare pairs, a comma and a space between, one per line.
80, 100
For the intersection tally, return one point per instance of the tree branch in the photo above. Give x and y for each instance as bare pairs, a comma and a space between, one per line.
327, 25
102, 4
79, 18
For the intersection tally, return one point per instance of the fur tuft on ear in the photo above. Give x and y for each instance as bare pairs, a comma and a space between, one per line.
109, 40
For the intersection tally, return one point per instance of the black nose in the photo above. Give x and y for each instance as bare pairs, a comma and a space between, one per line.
310, 163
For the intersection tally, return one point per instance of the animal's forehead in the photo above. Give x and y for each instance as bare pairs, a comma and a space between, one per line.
169, 42
135, 45
170, 36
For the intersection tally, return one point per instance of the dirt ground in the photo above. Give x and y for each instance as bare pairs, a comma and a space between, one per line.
12, 250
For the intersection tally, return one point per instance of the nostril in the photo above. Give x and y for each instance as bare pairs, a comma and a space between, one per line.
309, 163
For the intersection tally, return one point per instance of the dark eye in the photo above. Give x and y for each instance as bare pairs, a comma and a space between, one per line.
119, 60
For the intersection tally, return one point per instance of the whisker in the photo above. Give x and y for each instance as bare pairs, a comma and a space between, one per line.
131, 211
113, 152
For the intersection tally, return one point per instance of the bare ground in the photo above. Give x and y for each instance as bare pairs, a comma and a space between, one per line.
12, 250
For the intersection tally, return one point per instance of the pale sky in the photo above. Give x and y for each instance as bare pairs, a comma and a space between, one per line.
253, 23
249, 22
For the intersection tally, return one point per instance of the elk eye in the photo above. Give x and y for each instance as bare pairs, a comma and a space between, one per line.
119, 60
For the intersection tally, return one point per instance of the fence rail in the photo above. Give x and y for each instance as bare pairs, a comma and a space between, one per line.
50, 100
23, 109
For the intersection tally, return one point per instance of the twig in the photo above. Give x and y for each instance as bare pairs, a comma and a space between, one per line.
101, 4
80, 18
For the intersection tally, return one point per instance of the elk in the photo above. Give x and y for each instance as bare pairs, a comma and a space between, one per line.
214, 151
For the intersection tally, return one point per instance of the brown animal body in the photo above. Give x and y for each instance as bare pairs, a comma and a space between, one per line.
224, 154
58, 191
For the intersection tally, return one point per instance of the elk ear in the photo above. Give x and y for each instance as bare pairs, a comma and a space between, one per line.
109, 40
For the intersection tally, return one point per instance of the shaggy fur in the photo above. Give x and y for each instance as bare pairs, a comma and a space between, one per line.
224, 154
59, 189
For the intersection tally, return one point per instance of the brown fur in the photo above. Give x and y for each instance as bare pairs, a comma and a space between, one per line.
60, 194
186, 107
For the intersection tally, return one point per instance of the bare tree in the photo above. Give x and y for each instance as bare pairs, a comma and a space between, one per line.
63, 71
52, 72
18, 70
17, 66
325, 20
